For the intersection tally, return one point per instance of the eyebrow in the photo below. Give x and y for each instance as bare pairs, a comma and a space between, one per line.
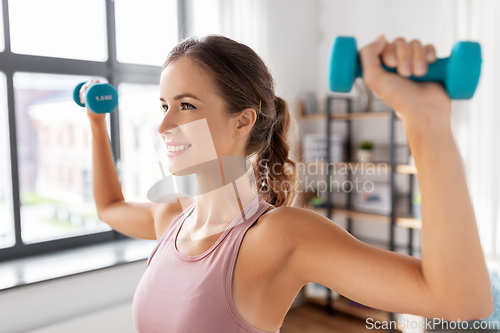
177, 97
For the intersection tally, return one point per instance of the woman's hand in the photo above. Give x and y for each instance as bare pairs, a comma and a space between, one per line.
418, 103
94, 117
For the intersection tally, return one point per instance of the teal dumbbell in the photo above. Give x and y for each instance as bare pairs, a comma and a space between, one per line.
459, 73
99, 97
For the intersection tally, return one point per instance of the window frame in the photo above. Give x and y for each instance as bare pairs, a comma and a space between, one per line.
114, 71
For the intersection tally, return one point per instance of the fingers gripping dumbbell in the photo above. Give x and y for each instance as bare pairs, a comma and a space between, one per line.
99, 97
459, 73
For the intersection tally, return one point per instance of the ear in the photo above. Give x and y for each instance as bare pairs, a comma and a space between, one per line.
244, 122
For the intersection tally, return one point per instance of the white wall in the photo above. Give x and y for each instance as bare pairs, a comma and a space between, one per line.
46, 303
294, 36
300, 34
116, 319
430, 21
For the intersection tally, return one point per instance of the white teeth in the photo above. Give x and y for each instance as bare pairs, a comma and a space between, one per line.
177, 148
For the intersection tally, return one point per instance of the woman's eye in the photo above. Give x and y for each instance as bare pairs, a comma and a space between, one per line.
184, 106
187, 106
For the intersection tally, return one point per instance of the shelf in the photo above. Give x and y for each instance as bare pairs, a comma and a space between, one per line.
347, 116
408, 169
409, 222
357, 166
401, 221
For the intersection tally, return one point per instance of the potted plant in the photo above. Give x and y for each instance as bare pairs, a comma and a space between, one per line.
365, 151
317, 202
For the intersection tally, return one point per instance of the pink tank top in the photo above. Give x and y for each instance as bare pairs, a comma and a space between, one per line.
193, 294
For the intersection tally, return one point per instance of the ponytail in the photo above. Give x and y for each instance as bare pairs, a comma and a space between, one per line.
275, 172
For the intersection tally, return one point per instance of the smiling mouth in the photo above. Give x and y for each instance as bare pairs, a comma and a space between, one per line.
177, 148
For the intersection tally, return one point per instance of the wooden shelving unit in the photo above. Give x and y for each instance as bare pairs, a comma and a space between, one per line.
401, 221
401, 168
344, 306
329, 210
346, 116
390, 168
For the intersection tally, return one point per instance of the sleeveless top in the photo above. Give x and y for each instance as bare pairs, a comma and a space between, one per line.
193, 294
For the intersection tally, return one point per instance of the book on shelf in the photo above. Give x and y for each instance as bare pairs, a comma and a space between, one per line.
314, 147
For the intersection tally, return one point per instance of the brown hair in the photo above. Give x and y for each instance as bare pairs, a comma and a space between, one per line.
244, 81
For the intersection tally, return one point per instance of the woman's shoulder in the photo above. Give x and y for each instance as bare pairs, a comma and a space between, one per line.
285, 224
281, 217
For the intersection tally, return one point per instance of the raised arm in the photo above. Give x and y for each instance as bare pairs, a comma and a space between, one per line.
451, 280
132, 219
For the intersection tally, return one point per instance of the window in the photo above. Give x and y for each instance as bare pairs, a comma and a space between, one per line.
145, 32
59, 28
46, 196
205, 17
54, 167
2, 41
140, 116
6, 219
243, 20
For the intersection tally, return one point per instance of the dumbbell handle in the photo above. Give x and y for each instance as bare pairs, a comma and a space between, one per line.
435, 73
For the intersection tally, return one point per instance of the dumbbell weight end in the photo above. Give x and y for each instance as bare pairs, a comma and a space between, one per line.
99, 98
76, 94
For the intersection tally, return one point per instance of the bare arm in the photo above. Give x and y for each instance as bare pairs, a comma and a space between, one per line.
132, 219
452, 258
451, 280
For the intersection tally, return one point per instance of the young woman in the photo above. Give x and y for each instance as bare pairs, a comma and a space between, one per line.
221, 267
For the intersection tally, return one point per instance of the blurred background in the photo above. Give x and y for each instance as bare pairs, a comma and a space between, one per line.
62, 269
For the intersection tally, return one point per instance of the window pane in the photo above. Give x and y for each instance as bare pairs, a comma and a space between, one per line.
6, 218
205, 17
140, 116
153, 32
59, 28
2, 41
55, 159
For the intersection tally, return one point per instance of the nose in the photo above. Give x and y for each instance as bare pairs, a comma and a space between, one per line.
168, 125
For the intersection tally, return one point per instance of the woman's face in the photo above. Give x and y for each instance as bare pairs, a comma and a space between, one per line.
195, 128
